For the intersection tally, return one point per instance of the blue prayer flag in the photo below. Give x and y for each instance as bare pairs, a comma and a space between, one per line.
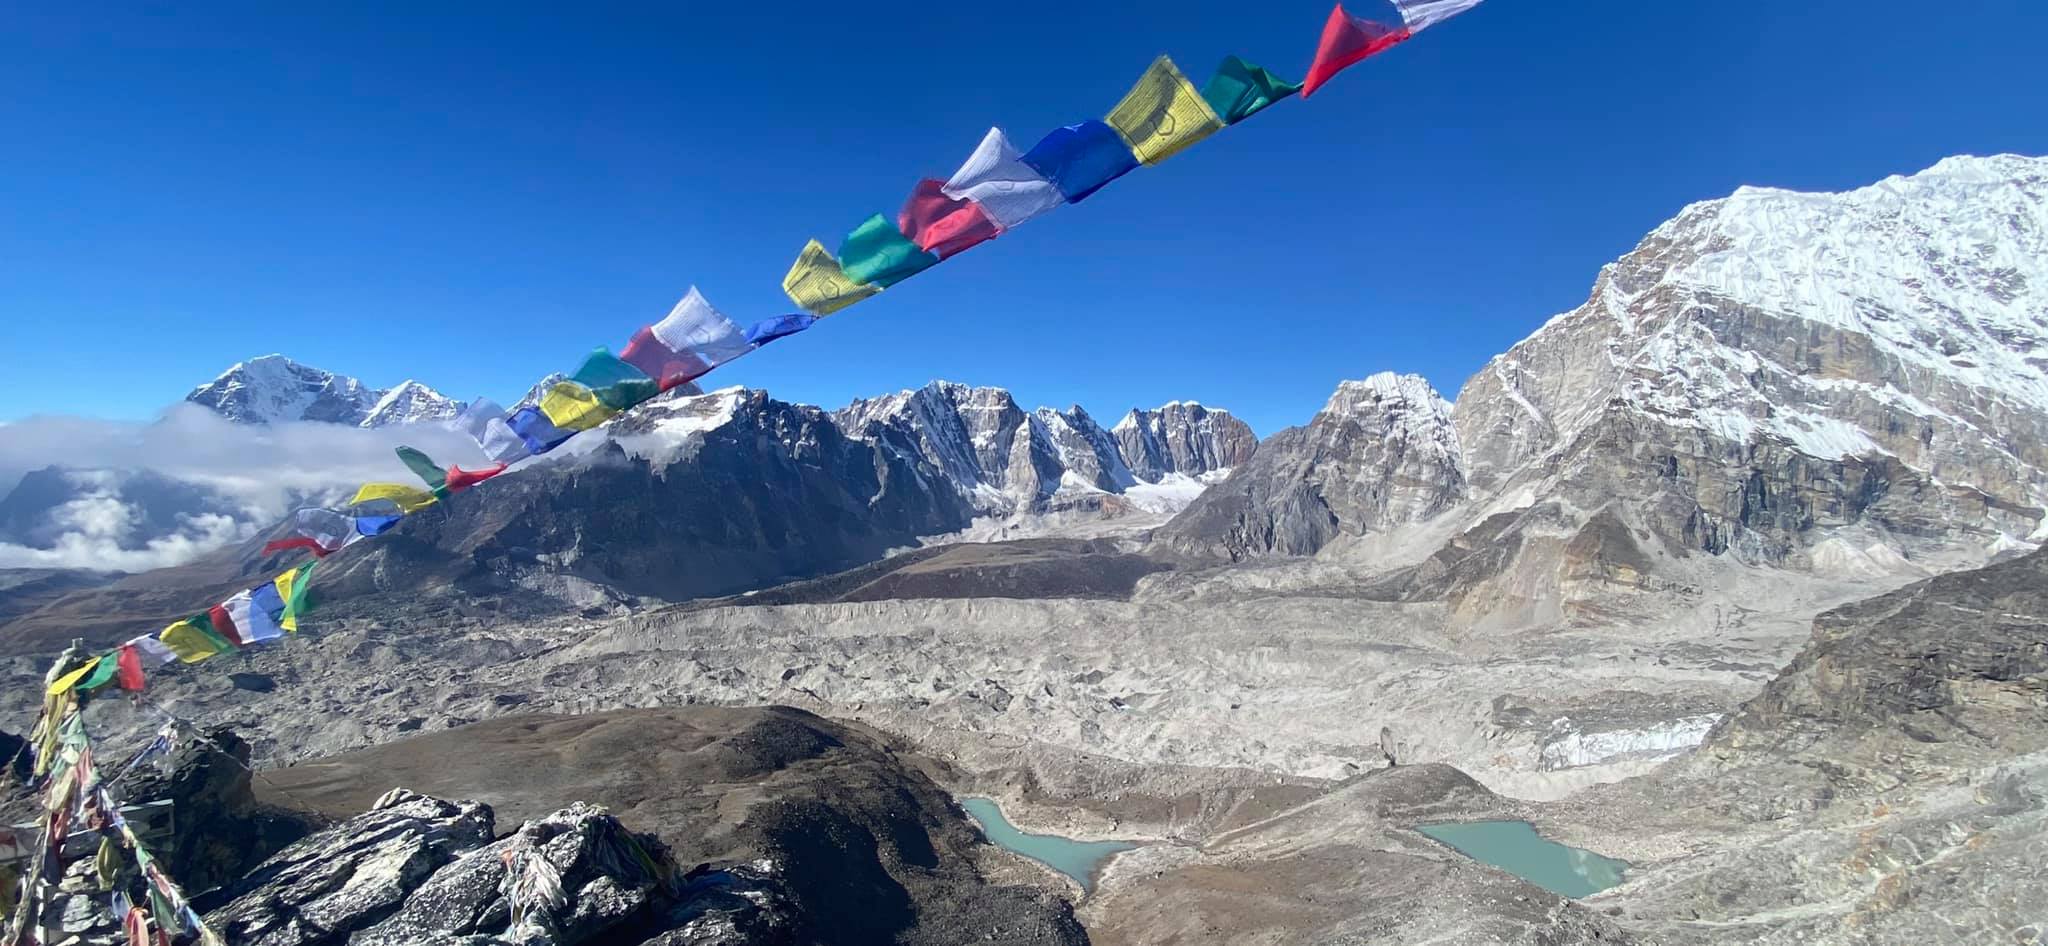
768, 330
1079, 159
533, 427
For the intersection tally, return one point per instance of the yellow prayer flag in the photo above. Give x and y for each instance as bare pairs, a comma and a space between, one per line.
410, 499
191, 644
291, 589
572, 406
1162, 114
71, 679
817, 284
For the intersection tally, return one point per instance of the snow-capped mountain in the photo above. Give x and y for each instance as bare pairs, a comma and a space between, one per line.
1827, 381
1006, 460
273, 389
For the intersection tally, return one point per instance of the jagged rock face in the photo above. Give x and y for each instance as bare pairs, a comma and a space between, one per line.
1003, 459
1382, 453
350, 876
1777, 363
683, 497
1183, 437
274, 389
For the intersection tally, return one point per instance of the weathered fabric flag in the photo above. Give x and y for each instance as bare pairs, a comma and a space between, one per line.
296, 542
153, 651
617, 384
425, 468
411, 499
535, 430
996, 177
1082, 157
290, 589
878, 253
571, 406
194, 639
224, 624
1419, 15
129, 661
818, 285
944, 225
72, 679
696, 333
1346, 40
367, 526
484, 421
1240, 89
255, 613
460, 479
1163, 114
659, 361
767, 330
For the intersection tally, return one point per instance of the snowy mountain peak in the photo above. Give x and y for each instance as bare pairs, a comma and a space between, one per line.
410, 403
1387, 392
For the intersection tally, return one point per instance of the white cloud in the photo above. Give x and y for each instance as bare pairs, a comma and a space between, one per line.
260, 471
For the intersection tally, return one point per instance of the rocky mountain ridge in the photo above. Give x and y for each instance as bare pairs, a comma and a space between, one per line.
1833, 382
1003, 459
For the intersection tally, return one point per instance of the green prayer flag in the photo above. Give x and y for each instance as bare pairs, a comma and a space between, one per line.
295, 603
102, 674
876, 253
423, 466
1238, 89
616, 383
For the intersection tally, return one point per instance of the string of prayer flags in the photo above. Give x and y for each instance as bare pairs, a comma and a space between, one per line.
535, 430
782, 326
1346, 40
410, 499
572, 407
878, 253
1239, 90
996, 177
818, 285
617, 384
940, 224
1080, 158
1163, 115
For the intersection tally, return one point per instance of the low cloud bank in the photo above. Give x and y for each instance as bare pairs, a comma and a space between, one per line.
113, 511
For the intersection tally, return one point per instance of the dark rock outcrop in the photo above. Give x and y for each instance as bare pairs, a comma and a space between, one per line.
348, 877
865, 847
222, 830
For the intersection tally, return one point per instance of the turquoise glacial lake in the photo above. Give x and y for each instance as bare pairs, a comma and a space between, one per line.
1515, 847
1076, 859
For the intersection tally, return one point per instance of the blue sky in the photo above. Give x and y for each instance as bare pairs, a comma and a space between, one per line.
476, 195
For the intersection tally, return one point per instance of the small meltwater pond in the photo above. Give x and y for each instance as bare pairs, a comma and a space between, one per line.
1515, 847
1076, 859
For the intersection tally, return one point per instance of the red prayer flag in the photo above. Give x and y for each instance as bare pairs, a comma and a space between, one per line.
460, 479
296, 542
942, 225
1346, 40
218, 614
128, 669
665, 365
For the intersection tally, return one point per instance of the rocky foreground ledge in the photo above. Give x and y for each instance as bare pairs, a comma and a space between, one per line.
677, 826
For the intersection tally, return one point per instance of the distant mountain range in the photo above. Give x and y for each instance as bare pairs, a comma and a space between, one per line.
273, 389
